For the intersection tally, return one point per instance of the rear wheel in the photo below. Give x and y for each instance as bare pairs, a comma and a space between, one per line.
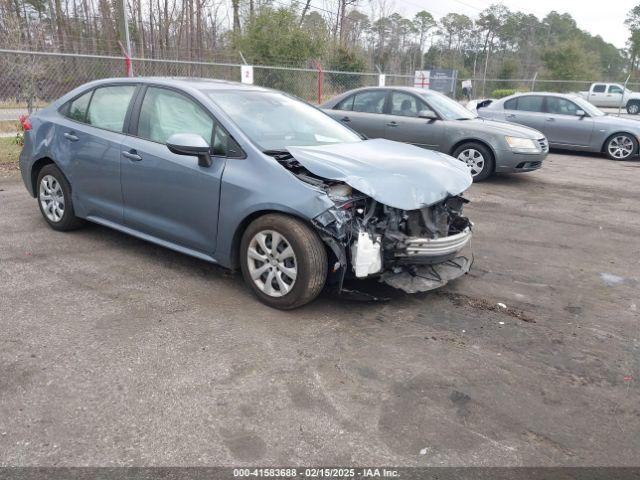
477, 157
283, 261
621, 146
54, 199
633, 108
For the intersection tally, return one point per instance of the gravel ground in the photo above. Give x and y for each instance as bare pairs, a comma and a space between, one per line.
117, 352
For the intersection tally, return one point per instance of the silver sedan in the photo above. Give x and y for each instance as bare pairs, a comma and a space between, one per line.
568, 121
430, 120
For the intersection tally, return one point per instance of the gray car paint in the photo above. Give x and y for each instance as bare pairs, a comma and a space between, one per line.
170, 200
441, 135
564, 131
397, 175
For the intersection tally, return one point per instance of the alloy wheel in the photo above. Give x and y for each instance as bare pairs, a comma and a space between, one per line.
474, 160
620, 147
272, 263
633, 109
51, 198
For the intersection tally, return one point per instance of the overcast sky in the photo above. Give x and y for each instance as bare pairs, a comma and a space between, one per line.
597, 17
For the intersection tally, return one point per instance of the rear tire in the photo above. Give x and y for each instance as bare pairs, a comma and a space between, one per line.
478, 158
620, 146
283, 261
54, 199
633, 108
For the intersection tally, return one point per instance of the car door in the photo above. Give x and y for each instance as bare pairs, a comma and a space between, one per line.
614, 95
402, 123
563, 126
166, 195
527, 110
363, 112
598, 94
92, 134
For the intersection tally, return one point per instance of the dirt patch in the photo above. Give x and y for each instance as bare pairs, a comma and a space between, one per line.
460, 300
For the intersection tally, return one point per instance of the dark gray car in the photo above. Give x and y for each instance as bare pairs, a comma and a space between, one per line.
431, 120
248, 178
568, 121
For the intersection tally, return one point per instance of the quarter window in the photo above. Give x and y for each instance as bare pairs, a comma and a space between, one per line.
165, 113
109, 106
77, 109
511, 104
346, 104
371, 101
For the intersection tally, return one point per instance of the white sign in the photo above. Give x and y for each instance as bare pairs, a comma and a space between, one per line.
421, 79
246, 71
381, 80
467, 84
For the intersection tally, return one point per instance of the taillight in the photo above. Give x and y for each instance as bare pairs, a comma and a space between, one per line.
24, 121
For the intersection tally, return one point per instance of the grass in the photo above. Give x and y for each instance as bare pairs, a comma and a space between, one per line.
9, 152
9, 126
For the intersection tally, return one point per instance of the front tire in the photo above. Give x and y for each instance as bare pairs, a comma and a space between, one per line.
283, 261
54, 199
478, 158
621, 146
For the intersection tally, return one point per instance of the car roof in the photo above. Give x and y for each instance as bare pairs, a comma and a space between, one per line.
186, 82
543, 94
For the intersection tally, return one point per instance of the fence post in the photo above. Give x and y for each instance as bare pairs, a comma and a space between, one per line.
533, 82
320, 80
128, 71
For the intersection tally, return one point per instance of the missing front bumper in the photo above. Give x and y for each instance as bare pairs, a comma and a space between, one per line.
422, 278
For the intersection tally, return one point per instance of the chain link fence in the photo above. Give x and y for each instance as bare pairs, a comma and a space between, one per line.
30, 80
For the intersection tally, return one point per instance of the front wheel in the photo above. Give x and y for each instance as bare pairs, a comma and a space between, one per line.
283, 261
477, 157
621, 146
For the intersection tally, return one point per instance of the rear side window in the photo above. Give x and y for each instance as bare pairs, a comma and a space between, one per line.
600, 88
77, 109
109, 106
370, 102
165, 113
346, 104
530, 103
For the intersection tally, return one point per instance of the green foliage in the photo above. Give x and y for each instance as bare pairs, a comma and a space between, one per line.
505, 92
568, 61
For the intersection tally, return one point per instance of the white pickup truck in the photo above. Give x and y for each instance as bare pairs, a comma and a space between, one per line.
613, 95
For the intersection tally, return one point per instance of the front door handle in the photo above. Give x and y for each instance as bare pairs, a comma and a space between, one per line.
71, 136
131, 155
345, 119
511, 115
551, 119
392, 124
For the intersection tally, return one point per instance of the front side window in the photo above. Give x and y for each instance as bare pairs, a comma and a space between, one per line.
615, 89
165, 113
445, 107
530, 103
275, 121
109, 106
77, 109
371, 101
405, 105
561, 106
599, 88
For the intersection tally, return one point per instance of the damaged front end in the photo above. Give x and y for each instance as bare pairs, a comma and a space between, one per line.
414, 250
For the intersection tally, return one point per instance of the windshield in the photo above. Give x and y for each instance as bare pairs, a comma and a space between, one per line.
447, 108
274, 121
587, 107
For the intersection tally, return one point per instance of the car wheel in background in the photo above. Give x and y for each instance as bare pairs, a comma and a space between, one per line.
54, 199
477, 157
283, 261
633, 108
620, 146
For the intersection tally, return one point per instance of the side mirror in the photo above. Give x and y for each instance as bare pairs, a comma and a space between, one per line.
581, 113
428, 114
191, 144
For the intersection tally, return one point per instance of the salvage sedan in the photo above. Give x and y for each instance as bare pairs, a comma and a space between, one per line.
248, 177
431, 120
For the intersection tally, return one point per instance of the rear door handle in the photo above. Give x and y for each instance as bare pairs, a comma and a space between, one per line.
71, 136
511, 115
345, 119
551, 119
131, 155
392, 124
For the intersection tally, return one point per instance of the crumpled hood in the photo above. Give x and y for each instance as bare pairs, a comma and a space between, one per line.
395, 174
